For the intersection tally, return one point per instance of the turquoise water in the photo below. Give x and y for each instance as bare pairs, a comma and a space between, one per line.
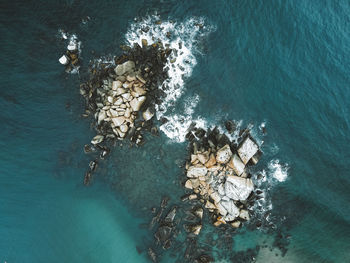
284, 63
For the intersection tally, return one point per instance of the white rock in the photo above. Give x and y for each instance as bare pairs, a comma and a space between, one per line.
224, 154
147, 114
118, 102
236, 164
244, 214
231, 208
139, 91
131, 77
221, 209
196, 229
121, 134
236, 224
210, 205
118, 120
229, 217
72, 46
97, 139
127, 113
214, 169
101, 116
203, 157
124, 128
195, 183
192, 197
136, 103
247, 150
64, 60
113, 113
221, 190
125, 67
140, 78
238, 188
216, 197
188, 184
199, 212
126, 96
110, 99
116, 85
120, 91
196, 171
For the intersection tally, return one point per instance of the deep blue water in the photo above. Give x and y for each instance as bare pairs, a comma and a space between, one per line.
285, 63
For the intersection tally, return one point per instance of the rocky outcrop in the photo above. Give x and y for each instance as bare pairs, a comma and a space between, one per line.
122, 97
217, 173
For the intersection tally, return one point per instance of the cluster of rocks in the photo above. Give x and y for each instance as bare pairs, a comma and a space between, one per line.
165, 224
122, 95
217, 174
71, 59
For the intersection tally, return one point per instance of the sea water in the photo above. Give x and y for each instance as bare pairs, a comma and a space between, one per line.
282, 65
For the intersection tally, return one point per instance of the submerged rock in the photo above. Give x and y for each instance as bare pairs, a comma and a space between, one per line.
97, 139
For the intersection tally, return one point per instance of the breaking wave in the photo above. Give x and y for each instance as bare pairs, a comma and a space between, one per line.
278, 171
183, 39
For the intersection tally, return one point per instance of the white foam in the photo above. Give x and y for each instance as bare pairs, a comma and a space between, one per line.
278, 171
178, 124
183, 39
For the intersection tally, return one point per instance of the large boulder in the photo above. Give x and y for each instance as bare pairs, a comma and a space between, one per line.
236, 164
101, 116
136, 103
224, 154
124, 68
196, 171
231, 208
147, 114
118, 120
247, 150
238, 188
64, 60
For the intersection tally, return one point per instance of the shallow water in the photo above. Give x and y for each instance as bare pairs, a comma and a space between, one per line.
283, 63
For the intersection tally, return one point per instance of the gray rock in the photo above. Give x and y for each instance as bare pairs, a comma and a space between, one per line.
124, 68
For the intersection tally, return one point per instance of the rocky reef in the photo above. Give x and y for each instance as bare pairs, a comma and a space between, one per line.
71, 59
217, 173
121, 96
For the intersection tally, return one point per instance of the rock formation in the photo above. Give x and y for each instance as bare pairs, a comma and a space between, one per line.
216, 173
121, 96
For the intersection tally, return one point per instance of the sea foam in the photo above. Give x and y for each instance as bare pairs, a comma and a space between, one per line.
183, 39
278, 171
